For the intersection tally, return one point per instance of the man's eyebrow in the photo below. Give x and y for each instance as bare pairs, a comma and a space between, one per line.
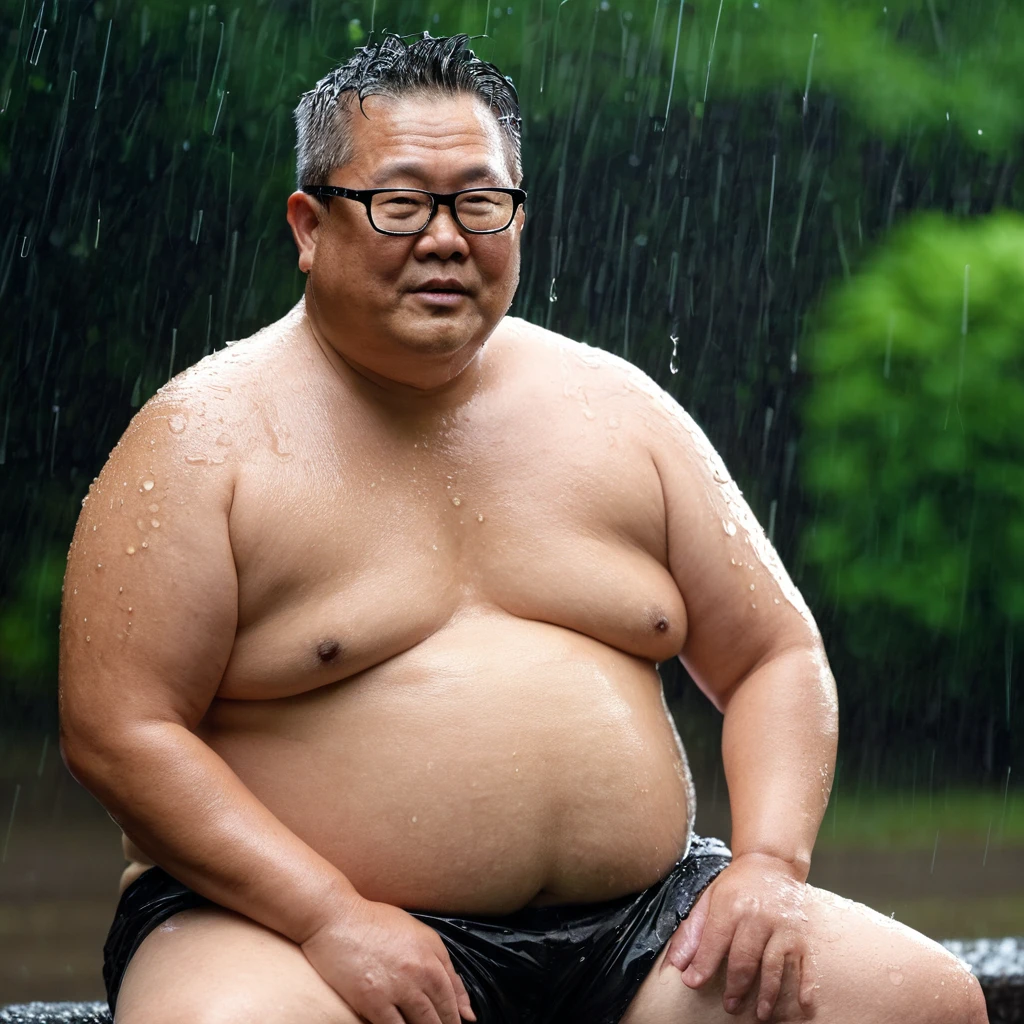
419, 171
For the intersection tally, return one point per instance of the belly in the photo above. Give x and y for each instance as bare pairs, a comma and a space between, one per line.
499, 763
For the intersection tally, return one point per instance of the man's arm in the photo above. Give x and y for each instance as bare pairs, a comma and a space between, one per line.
148, 623
753, 648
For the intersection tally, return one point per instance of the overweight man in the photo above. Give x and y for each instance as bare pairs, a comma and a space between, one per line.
360, 634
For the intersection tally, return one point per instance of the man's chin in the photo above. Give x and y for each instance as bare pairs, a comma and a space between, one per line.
432, 335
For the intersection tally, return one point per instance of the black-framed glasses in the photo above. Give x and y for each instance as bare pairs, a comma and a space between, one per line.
407, 211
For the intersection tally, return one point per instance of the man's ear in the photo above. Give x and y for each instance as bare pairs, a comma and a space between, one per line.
304, 217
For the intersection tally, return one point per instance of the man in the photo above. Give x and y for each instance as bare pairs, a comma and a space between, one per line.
360, 632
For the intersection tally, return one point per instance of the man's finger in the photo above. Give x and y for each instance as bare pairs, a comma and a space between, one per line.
745, 955
418, 1009
806, 982
464, 1006
714, 944
440, 992
773, 967
686, 940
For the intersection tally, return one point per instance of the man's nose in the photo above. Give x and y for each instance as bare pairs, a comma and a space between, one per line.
442, 235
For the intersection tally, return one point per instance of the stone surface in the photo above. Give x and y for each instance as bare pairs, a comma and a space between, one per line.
997, 963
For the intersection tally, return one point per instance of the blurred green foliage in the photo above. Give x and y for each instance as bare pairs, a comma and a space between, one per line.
700, 170
916, 439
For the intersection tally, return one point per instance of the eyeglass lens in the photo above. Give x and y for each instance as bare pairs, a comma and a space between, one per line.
409, 211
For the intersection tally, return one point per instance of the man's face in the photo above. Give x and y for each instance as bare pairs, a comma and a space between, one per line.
364, 284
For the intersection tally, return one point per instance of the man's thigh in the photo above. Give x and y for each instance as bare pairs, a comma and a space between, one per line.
212, 966
868, 969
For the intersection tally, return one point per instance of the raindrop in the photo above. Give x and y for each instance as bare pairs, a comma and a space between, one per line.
10, 821
673, 362
552, 294
810, 67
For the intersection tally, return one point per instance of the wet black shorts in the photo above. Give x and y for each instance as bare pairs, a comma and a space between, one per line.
578, 963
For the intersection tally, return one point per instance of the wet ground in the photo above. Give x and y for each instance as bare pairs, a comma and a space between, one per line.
62, 861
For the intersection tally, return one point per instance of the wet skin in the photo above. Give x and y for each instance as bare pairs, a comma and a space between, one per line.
382, 589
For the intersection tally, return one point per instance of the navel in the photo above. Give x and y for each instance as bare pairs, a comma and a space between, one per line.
328, 650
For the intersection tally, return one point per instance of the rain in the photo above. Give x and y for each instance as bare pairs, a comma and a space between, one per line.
801, 219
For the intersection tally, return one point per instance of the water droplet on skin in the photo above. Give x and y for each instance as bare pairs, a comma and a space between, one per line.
434, 546
414, 819
196, 460
176, 424
154, 507
94, 529
120, 590
224, 441
129, 611
752, 605
589, 415
480, 517
456, 501
613, 423
139, 523
896, 976
155, 523
99, 565
751, 586
776, 600
130, 549
145, 543
730, 528
85, 620
88, 639
147, 485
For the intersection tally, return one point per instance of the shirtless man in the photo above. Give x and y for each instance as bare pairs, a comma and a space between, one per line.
360, 634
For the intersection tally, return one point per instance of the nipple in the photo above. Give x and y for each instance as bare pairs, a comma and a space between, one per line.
327, 650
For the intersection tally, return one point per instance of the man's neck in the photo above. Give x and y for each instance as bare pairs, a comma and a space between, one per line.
420, 385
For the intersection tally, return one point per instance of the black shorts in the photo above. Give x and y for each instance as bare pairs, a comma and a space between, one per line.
577, 963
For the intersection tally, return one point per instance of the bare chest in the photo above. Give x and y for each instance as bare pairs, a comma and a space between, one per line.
355, 544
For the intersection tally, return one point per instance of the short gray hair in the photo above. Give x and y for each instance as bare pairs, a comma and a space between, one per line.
394, 68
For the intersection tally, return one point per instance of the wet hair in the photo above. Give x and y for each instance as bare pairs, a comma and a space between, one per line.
439, 65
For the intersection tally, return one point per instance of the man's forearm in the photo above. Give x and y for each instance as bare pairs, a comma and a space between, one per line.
183, 806
778, 747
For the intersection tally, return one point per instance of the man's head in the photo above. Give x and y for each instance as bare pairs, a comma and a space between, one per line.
427, 116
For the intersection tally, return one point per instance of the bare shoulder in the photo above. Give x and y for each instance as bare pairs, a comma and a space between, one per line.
214, 411
585, 370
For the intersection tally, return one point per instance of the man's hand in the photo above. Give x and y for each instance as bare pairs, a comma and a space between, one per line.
751, 913
389, 967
